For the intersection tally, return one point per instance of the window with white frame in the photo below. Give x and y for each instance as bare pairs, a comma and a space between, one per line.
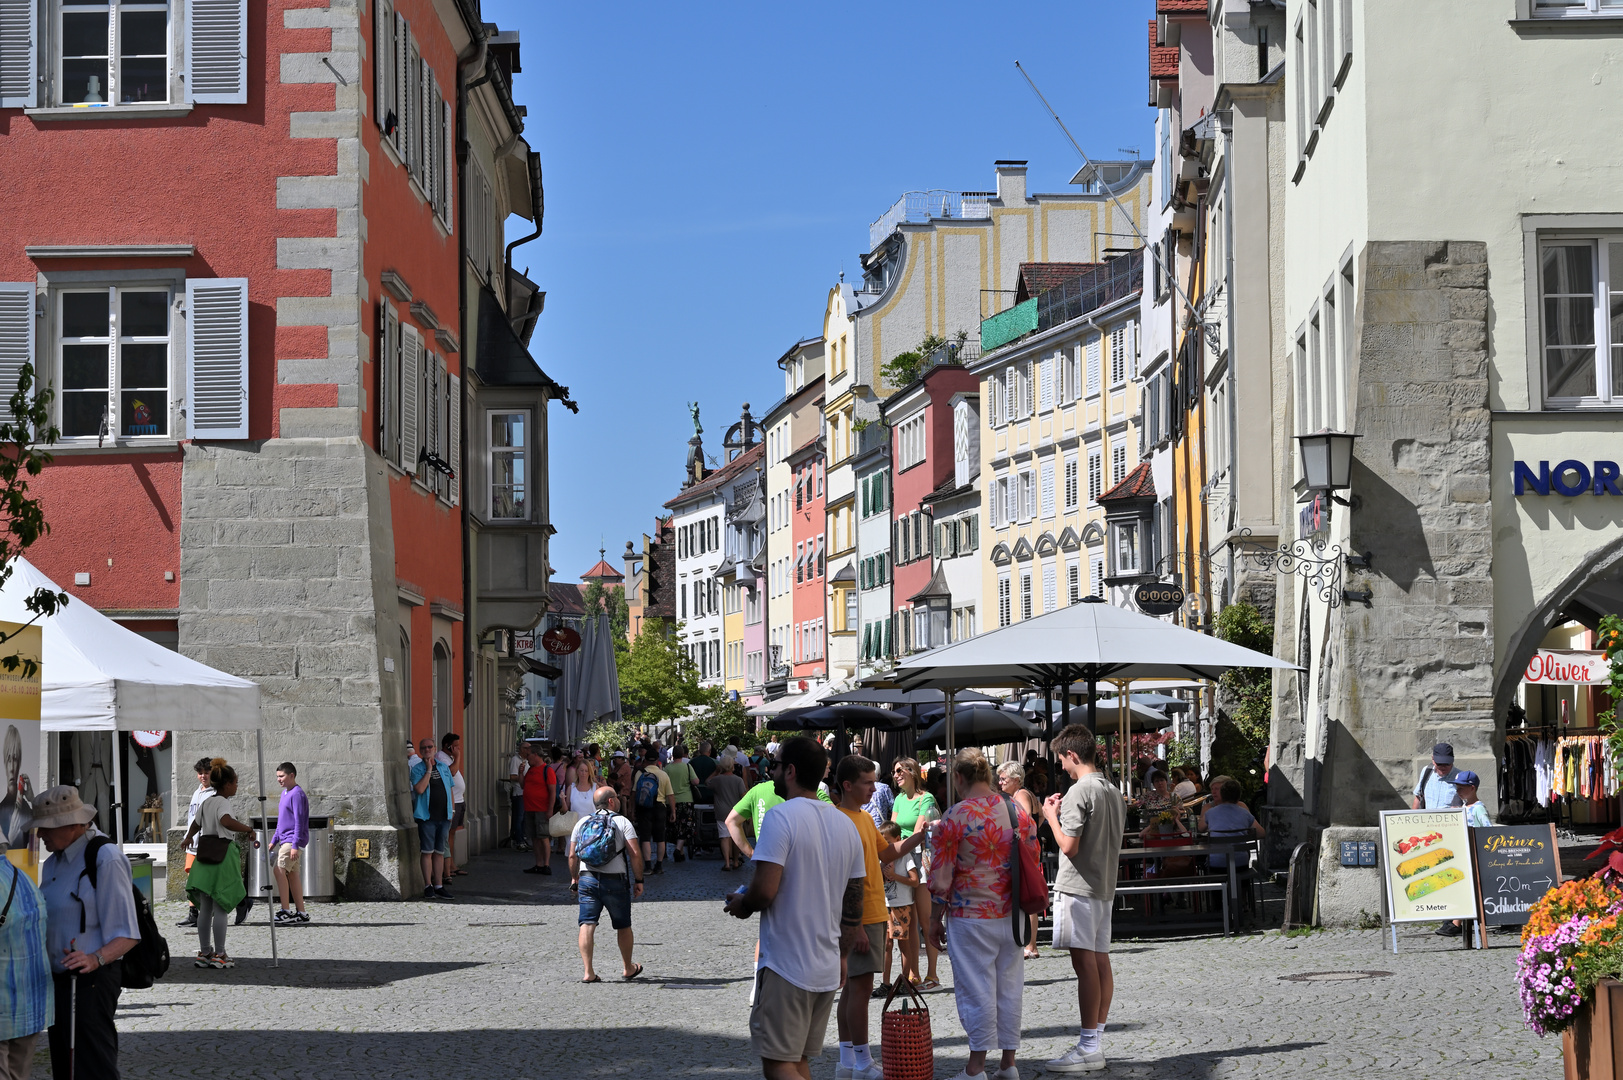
1098, 569
1011, 499
114, 362
1118, 355
1127, 547
1073, 582
910, 441
114, 52
1003, 612
509, 477
411, 111
1028, 495
1047, 507
1096, 474
1025, 389
1011, 391
1094, 356
1070, 484
1045, 383
1581, 286
1071, 374
1563, 9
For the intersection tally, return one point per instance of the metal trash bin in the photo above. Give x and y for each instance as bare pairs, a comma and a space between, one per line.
318, 872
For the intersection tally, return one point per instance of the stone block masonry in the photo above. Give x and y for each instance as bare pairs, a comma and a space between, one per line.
294, 587
1415, 667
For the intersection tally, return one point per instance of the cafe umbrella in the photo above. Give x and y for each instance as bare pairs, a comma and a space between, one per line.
1089, 642
982, 725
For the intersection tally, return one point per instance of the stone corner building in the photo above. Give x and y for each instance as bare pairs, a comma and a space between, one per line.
268, 381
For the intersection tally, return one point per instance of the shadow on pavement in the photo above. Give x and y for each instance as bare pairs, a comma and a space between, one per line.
300, 974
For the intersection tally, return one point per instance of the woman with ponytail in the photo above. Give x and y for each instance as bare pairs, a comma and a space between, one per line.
215, 883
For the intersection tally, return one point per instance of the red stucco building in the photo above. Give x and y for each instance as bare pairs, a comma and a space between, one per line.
808, 574
239, 253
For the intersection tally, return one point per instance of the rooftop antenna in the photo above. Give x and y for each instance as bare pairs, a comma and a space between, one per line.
1128, 150
1171, 278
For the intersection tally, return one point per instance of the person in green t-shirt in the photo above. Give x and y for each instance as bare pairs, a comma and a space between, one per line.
683, 781
751, 810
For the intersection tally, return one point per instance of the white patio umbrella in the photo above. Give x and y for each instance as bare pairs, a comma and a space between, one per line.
96, 675
1086, 642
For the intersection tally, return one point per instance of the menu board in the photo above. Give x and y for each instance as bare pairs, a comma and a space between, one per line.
1515, 866
1426, 864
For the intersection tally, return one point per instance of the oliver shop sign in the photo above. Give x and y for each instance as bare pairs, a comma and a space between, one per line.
1570, 478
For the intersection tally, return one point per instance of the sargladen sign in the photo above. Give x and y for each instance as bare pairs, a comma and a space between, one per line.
1158, 597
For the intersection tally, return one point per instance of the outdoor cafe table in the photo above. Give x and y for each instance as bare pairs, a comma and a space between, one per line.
1231, 849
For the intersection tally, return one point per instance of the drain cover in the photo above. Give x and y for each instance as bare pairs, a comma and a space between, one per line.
1335, 976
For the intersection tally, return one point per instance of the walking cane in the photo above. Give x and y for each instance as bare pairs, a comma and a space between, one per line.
73, 1025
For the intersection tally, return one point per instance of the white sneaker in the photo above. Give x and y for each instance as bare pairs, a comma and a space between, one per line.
1076, 1060
851, 1072
1011, 1073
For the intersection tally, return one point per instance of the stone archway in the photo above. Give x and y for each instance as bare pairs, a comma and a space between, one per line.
1592, 590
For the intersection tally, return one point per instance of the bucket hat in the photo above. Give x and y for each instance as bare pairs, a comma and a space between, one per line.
60, 806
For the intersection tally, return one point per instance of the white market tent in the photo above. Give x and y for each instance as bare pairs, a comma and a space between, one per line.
99, 676
1088, 642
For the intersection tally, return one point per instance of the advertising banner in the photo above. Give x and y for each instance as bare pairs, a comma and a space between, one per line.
1515, 865
1426, 864
1569, 667
20, 738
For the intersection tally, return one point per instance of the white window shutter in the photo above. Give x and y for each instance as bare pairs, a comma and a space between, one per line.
431, 416
16, 338
455, 404
19, 55
448, 183
217, 358
401, 83
217, 52
382, 61
431, 136
411, 358
388, 384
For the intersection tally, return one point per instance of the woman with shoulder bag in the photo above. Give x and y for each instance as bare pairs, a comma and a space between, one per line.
972, 876
215, 884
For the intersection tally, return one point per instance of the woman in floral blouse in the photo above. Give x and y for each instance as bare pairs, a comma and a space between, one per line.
973, 889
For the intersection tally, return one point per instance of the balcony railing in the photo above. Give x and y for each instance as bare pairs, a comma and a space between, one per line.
920, 207
1071, 299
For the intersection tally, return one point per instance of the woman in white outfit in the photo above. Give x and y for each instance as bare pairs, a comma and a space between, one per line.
580, 798
973, 889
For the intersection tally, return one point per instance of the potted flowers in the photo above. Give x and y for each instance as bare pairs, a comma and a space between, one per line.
1571, 959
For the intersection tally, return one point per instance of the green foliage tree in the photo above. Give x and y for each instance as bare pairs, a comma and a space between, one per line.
1245, 699
658, 681
22, 459
723, 721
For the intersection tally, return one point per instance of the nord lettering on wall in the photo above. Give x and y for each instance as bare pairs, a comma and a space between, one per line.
1570, 478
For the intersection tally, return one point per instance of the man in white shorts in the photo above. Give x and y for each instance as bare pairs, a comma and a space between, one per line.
1087, 823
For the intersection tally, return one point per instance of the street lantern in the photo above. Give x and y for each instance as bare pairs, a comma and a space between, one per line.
1327, 459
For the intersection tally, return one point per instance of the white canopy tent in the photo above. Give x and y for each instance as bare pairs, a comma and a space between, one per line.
1088, 642
99, 676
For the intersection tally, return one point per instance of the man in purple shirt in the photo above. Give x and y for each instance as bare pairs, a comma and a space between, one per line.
292, 834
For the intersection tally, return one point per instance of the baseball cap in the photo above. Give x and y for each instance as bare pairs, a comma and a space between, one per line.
618, 753
1464, 776
1443, 754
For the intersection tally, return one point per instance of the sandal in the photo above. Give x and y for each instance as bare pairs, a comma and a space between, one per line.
634, 974
1032, 954
460, 873
594, 978
931, 983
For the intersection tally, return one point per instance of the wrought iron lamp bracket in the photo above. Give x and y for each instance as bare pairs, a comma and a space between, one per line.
1314, 560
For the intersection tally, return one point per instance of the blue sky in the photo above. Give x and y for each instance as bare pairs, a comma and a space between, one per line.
709, 169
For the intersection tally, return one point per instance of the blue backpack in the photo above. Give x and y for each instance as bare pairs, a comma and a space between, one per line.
599, 841
647, 790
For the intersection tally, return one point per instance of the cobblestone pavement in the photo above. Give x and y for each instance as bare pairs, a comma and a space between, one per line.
486, 986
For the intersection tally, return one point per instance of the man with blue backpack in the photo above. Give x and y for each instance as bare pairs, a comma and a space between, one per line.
655, 801
605, 868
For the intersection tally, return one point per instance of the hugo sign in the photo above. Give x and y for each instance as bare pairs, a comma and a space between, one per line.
1568, 667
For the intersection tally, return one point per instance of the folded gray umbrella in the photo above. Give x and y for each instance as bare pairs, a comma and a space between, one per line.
981, 725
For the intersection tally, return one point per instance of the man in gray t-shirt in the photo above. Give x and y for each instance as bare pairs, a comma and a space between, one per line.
1087, 823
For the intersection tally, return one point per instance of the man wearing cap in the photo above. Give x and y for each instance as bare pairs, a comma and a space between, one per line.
1435, 789
86, 930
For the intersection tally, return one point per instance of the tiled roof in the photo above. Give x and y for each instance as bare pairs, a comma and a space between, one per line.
1180, 7
1164, 58
1138, 484
564, 599
1035, 277
602, 570
719, 478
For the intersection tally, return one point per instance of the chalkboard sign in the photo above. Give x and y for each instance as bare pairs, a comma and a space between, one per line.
1516, 865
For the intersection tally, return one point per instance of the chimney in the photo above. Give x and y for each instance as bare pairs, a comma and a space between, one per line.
1011, 182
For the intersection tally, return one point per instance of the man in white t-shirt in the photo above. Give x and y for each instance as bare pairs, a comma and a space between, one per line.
516, 768
808, 885
609, 884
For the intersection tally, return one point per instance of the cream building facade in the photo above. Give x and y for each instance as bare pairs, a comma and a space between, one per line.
794, 421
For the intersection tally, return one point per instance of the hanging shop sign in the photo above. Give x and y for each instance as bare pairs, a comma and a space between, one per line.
560, 640
1314, 515
1158, 597
149, 739
1426, 862
1570, 478
1515, 866
1569, 667
524, 644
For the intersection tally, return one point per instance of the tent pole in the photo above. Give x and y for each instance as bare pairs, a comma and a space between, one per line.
952, 753
1122, 697
264, 845
116, 803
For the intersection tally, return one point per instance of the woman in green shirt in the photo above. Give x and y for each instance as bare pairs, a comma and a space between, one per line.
914, 808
